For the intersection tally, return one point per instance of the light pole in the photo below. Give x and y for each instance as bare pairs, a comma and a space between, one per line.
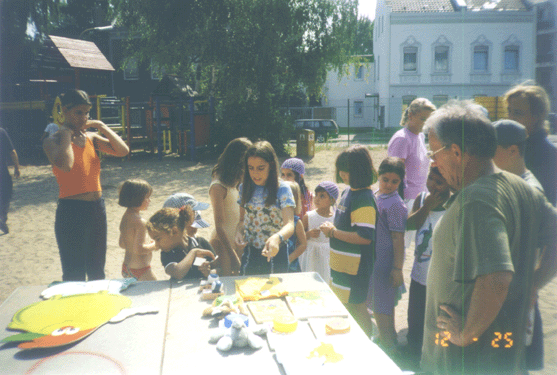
109, 27
104, 28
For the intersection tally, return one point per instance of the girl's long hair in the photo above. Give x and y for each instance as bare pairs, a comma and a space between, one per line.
296, 192
300, 180
265, 151
230, 164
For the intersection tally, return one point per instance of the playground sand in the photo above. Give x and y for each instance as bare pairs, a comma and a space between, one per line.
29, 254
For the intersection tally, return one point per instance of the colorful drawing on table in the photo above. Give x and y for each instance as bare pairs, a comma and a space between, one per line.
268, 310
256, 288
63, 320
315, 304
82, 287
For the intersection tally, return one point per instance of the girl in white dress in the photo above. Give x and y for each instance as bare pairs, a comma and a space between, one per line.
316, 256
223, 191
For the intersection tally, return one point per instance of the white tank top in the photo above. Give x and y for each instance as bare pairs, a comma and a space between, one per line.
314, 221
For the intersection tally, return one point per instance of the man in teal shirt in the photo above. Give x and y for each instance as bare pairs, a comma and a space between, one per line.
482, 272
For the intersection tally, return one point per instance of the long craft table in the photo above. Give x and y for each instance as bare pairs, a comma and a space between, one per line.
175, 340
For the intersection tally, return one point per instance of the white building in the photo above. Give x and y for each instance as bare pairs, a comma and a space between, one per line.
347, 94
443, 49
546, 59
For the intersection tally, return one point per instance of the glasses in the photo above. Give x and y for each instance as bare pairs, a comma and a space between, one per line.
431, 154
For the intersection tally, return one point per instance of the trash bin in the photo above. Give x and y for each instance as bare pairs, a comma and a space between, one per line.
305, 143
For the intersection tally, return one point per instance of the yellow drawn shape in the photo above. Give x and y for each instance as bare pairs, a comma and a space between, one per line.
85, 311
327, 351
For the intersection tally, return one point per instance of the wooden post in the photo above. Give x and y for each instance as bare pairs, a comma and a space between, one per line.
128, 125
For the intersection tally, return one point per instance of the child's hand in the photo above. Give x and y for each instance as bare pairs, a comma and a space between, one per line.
240, 238
205, 268
313, 233
203, 253
436, 198
395, 278
271, 247
95, 124
327, 228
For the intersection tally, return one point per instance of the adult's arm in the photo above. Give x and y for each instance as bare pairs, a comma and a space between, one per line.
110, 143
15, 160
488, 295
58, 149
548, 242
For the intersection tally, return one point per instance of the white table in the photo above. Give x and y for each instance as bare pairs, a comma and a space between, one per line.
175, 340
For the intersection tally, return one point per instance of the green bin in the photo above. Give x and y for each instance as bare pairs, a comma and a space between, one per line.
305, 143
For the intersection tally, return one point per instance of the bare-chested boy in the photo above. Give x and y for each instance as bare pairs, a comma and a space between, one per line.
135, 195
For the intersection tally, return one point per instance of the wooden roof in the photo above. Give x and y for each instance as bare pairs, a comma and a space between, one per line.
81, 53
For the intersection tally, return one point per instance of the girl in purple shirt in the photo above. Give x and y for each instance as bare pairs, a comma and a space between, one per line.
386, 279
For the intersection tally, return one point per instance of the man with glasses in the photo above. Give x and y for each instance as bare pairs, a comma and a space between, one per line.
480, 277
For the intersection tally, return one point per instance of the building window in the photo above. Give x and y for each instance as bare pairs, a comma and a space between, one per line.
481, 55
410, 59
511, 58
358, 108
441, 64
131, 69
157, 72
439, 100
359, 72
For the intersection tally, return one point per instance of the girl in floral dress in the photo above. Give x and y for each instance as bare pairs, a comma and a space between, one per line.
266, 213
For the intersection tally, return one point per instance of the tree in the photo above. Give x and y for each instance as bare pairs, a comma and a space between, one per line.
25, 23
248, 53
363, 40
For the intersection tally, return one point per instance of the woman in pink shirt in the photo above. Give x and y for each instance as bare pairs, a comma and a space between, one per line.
409, 145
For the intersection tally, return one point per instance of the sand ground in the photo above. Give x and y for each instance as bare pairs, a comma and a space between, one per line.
29, 254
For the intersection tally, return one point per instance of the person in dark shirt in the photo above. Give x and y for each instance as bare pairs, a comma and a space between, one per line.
167, 227
529, 105
6, 184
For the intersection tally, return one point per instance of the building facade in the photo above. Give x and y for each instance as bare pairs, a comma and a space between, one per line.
546, 44
351, 94
443, 49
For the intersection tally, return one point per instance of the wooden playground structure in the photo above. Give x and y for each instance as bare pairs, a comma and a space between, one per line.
156, 127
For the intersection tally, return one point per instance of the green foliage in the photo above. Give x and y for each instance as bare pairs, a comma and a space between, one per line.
250, 54
363, 40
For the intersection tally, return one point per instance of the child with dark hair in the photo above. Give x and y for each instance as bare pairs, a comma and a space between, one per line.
316, 257
294, 169
167, 227
386, 281
136, 196
266, 213
426, 212
296, 244
352, 237
223, 191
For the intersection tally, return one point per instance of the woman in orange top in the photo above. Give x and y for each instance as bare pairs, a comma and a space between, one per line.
80, 223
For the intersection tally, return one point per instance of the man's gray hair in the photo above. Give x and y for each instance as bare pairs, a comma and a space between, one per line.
461, 123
